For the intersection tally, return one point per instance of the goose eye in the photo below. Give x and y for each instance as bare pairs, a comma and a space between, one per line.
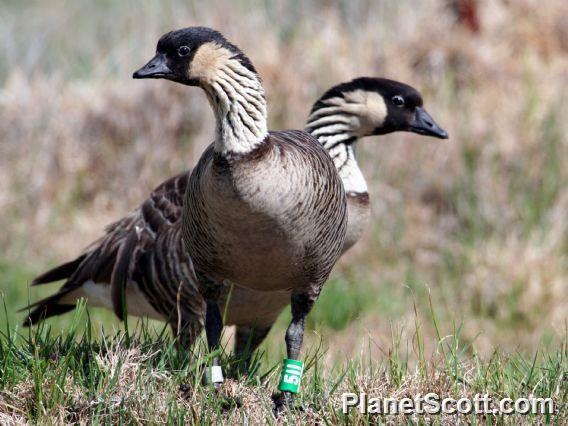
183, 51
398, 101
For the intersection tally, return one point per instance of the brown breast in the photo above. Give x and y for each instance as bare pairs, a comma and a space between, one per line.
269, 220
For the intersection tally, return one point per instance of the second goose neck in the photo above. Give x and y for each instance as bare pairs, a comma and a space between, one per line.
239, 105
335, 134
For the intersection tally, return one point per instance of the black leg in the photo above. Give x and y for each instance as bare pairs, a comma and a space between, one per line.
302, 304
213, 325
295, 337
247, 340
211, 291
213, 329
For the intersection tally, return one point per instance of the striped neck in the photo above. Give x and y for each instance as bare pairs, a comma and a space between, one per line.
239, 104
334, 129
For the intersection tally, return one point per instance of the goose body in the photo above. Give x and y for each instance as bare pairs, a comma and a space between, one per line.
267, 220
265, 210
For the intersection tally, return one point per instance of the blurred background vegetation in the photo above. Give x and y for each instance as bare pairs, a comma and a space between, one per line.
477, 225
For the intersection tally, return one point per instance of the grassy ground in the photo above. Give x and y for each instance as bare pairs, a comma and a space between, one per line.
475, 227
142, 378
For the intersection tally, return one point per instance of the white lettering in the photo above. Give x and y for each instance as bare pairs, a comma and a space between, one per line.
432, 401
349, 400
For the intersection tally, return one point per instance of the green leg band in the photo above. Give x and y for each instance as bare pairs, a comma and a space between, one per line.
291, 375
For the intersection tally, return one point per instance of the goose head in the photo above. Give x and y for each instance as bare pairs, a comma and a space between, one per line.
194, 56
372, 106
200, 56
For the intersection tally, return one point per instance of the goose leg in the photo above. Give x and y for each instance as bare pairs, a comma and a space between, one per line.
211, 291
302, 304
247, 340
213, 329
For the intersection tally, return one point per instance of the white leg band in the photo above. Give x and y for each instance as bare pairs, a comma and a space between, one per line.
214, 374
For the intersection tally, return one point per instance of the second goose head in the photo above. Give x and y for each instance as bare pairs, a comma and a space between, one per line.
366, 106
369, 106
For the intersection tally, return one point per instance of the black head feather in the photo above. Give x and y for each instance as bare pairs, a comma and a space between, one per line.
193, 37
383, 86
176, 50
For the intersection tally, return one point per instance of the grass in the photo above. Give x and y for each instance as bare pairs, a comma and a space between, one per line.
48, 378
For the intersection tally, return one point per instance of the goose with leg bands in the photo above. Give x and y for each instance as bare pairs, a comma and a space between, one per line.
264, 210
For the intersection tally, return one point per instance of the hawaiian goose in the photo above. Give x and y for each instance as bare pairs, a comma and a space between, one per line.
157, 270
265, 210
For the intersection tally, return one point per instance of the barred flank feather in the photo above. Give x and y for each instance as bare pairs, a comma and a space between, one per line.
121, 272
